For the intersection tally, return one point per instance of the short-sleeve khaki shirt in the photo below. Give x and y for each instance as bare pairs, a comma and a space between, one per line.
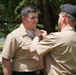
17, 47
60, 50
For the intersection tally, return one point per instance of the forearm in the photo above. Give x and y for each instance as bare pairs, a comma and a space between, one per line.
34, 43
6, 65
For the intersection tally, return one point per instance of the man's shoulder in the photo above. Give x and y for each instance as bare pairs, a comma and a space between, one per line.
55, 33
18, 32
14, 33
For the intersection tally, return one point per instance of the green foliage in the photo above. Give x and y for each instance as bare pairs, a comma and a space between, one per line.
48, 13
40, 26
56, 27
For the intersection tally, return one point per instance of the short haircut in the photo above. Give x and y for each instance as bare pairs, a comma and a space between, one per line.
27, 9
71, 18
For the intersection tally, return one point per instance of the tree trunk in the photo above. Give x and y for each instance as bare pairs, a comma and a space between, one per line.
47, 17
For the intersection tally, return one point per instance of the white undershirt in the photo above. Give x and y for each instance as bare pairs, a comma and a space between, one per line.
30, 32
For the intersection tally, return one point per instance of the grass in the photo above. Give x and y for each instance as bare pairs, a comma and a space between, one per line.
0, 51
1, 44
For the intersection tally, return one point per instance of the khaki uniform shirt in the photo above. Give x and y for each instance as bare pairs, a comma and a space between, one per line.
17, 48
60, 50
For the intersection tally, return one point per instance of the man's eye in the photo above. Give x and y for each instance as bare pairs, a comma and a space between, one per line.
32, 17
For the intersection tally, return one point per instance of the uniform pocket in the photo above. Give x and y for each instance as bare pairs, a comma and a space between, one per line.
25, 47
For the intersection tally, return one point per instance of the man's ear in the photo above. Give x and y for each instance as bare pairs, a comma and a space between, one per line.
23, 18
64, 19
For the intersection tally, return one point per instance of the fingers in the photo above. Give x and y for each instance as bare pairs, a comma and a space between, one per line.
37, 31
40, 32
44, 33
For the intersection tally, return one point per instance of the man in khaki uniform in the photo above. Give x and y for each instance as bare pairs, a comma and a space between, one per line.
59, 48
16, 57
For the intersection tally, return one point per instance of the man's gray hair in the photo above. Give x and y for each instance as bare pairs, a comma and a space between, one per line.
27, 9
71, 18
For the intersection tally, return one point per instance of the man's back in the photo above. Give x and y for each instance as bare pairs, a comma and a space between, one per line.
63, 53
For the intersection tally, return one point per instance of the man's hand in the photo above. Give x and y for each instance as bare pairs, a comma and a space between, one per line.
37, 32
43, 33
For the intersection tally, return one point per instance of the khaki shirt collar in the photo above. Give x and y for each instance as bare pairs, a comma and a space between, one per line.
23, 30
68, 28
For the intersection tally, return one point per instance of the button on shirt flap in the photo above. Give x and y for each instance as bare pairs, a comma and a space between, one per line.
25, 45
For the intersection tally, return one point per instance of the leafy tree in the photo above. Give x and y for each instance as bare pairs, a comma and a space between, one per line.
48, 13
7, 16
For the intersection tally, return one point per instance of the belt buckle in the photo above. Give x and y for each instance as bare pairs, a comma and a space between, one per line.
37, 72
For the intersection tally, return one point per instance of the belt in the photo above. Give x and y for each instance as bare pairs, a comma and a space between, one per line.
39, 72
